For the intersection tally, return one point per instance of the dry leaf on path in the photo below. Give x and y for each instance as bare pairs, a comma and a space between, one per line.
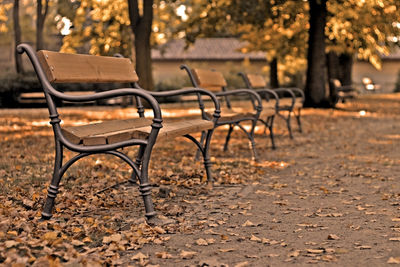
248, 224
242, 264
201, 242
187, 254
254, 238
139, 256
50, 236
315, 251
112, 238
294, 254
394, 260
333, 237
163, 255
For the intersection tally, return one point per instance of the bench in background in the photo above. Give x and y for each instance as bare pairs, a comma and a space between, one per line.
291, 100
230, 115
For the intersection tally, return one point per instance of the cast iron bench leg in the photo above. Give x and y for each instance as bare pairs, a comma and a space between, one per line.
52, 191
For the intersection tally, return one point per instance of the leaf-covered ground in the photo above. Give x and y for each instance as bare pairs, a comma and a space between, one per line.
330, 196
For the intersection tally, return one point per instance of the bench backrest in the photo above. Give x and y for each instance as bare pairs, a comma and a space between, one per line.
76, 68
256, 81
211, 80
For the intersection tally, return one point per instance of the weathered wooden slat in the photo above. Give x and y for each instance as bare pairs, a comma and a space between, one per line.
174, 129
74, 68
98, 133
109, 132
256, 81
211, 80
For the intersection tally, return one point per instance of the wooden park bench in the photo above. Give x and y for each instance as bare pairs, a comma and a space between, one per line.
290, 100
230, 115
341, 93
110, 136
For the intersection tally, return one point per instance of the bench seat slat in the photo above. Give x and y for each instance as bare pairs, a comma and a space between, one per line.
99, 132
174, 129
110, 132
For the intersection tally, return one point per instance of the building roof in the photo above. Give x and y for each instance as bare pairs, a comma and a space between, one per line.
205, 49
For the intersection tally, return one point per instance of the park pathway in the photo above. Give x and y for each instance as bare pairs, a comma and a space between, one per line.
331, 196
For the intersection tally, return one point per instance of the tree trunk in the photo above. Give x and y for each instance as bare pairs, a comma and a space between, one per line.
41, 13
273, 73
333, 65
316, 59
332, 61
141, 27
346, 67
17, 37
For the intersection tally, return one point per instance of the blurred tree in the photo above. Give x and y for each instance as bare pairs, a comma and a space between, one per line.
141, 18
282, 28
17, 37
316, 62
98, 27
363, 29
41, 14
5, 7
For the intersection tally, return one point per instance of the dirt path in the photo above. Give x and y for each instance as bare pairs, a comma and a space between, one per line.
330, 196
337, 202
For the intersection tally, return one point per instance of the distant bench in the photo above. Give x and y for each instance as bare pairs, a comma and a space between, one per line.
342, 92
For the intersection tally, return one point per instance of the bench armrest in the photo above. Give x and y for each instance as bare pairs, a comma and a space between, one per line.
249, 92
298, 92
288, 92
217, 109
267, 92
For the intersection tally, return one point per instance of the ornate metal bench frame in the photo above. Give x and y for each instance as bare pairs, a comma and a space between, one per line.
140, 166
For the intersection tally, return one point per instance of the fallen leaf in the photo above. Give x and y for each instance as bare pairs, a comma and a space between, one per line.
187, 254
50, 236
242, 264
139, 256
10, 243
254, 238
226, 250
163, 255
395, 239
251, 256
315, 251
112, 238
364, 247
77, 243
201, 242
294, 254
159, 230
393, 260
248, 224
333, 237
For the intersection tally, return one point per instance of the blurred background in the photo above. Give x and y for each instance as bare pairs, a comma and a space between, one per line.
291, 43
